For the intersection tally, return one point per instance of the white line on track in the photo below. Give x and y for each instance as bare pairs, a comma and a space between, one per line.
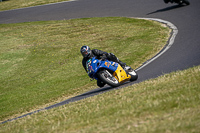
168, 45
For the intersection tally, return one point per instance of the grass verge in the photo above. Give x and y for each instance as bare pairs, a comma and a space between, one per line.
40, 62
14, 4
169, 103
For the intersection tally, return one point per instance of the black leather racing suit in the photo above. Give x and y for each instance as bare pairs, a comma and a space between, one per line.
101, 54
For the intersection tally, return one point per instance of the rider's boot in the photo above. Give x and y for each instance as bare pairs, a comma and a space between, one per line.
100, 83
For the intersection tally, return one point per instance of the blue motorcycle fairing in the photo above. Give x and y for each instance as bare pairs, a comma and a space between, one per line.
94, 65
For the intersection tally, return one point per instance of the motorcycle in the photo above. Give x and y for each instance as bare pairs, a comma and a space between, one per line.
180, 2
109, 72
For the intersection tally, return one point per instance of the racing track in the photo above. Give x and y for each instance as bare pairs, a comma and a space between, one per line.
184, 53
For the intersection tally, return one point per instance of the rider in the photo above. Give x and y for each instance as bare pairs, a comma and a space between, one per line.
88, 54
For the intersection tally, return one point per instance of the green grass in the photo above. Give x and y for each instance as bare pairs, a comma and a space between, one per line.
14, 4
40, 62
170, 103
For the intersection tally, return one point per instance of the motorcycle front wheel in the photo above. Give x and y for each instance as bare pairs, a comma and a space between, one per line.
108, 78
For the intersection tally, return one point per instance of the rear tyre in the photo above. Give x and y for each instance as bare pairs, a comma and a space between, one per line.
108, 78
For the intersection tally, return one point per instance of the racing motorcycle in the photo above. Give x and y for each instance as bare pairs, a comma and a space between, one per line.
109, 72
180, 2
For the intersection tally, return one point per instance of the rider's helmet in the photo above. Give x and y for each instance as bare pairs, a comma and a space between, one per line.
85, 51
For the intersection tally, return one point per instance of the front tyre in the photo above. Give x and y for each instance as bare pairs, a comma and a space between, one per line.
134, 75
108, 78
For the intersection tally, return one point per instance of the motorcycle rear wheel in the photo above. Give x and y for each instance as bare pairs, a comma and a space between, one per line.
108, 78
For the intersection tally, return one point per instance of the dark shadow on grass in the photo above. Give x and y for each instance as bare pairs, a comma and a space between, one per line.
167, 9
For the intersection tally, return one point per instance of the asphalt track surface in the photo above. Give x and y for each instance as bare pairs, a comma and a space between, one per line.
184, 53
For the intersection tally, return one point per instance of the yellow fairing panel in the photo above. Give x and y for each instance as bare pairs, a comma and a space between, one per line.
121, 75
